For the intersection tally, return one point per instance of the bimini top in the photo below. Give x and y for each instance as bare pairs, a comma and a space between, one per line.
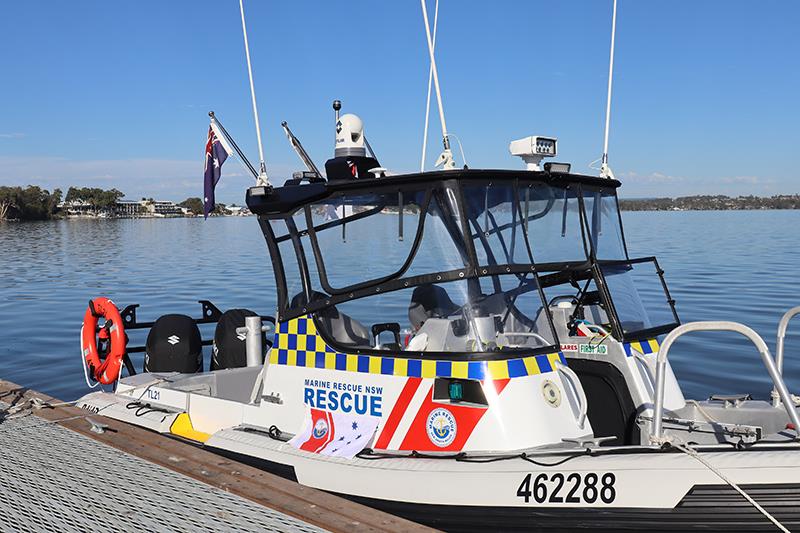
461, 263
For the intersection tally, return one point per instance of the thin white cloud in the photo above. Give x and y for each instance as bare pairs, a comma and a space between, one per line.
659, 184
652, 177
12, 135
748, 180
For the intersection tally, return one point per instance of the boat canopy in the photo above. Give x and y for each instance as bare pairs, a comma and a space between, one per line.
473, 259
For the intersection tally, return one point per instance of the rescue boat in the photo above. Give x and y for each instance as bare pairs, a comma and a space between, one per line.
494, 362
498, 360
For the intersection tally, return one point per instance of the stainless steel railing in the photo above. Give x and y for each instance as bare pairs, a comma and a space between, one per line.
782, 327
761, 346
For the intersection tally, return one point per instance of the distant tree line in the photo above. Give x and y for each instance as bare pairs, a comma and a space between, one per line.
98, 198
712, 203
34, 203
28, 203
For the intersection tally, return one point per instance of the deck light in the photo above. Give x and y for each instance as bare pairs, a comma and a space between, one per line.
559, 168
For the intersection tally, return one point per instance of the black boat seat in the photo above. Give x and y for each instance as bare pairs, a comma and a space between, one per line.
343, 329
429, 301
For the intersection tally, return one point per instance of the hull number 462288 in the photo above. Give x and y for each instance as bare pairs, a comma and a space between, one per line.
568, 488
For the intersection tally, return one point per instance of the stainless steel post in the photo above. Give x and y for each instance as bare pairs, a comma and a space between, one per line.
253, 346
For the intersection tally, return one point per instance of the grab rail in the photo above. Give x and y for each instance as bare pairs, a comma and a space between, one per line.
761, 346
576, 384
782, 327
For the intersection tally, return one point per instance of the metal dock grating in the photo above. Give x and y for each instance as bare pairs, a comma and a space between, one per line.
54, 479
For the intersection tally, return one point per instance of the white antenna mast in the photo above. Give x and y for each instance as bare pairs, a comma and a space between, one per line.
262, 176
428, 100
605, 170
446, 158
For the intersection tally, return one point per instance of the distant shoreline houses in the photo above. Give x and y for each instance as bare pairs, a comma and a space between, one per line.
146, 208
712, 203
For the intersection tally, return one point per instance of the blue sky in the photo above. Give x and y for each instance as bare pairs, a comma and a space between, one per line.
98, 93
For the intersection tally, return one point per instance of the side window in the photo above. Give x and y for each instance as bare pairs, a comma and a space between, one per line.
602, 218
496, 225
374, 231
553, 222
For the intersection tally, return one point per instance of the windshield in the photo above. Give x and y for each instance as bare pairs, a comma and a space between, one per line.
640, 297
514, 223
444, 317
452, 265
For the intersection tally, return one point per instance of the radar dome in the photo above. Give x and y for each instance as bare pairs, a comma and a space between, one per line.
350, 136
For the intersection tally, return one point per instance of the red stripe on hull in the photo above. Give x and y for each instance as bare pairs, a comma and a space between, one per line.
397, 413
466, 420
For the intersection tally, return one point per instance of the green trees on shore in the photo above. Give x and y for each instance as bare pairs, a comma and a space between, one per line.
29, 203
195, 206
98, 198
34, 203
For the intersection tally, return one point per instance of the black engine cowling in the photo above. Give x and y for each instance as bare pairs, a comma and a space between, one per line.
229, 349
174, 345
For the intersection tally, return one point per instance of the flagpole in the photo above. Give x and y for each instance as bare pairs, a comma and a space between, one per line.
234, 147
262, 177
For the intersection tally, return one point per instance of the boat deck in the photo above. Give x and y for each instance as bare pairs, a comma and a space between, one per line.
56, 474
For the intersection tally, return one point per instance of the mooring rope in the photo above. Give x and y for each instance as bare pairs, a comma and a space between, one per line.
691, 452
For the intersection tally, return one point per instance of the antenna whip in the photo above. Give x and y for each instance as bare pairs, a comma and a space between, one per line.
428, 100
446, 158
605, 170
262, 176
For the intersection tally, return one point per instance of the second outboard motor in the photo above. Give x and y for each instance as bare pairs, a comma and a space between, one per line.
174, 345
229, 348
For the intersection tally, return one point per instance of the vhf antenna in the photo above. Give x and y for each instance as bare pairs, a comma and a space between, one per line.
428, 98
262, 174
605, 170
446, 158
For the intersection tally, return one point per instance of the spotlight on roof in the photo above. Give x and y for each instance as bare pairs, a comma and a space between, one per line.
533, 149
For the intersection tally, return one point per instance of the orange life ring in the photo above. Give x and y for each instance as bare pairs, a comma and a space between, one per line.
107, 371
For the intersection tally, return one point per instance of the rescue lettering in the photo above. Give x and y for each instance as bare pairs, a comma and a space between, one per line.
351, 398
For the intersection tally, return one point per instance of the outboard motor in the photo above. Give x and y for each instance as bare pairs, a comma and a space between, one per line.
229, 348
174, 345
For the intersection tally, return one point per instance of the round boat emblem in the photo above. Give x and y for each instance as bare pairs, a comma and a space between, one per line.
441, 427
551, 393
320, 428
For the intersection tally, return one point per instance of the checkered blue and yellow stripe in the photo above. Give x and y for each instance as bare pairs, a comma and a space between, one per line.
297, 344
643, 347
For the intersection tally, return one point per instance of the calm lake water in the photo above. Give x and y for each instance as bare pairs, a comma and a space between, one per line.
728, 265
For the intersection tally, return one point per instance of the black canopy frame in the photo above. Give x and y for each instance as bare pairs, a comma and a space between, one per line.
284, 203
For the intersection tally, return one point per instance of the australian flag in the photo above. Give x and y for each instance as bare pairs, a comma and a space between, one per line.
216, 154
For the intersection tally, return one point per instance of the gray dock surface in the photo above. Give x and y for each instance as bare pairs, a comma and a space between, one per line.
57, 475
